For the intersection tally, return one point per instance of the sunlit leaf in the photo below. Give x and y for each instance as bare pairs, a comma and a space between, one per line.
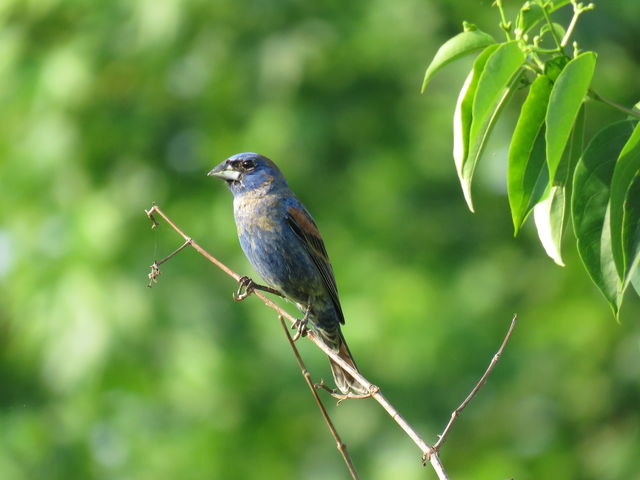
631, 228
462, 44
494, 87
526, 158
567, 96
635, 278
551, 215
463, 113
589, 202
624, 211
572, 153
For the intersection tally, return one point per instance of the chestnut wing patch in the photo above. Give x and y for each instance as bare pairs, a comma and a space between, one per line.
305, 228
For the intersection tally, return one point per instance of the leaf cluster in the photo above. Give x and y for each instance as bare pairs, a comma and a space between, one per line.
552, 172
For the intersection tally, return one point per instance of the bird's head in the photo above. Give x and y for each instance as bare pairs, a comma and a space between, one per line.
249, 173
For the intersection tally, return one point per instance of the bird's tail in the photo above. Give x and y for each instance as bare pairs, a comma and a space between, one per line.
344, 381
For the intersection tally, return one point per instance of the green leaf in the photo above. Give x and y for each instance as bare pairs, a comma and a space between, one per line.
494, 88
526, 158
635, 278
564, 173
589, 209
462, 44
463, 113
551, 214
631, 229
567, 96
625, 211
549, 219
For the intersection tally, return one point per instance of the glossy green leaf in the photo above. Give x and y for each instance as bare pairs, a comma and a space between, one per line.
526, 158
494, 87
631, 229
567, 96
463, 113
572, 153
589, 211
625, 212
551, 215
462, 44
635, 278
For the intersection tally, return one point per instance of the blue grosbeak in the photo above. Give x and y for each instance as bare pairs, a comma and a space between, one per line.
282, 242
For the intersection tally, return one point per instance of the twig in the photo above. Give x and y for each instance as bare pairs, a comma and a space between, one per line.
554, 34
342, 448
599, 98
155, 266
198, 248
506, 26
492, 364
578, 9
429, 454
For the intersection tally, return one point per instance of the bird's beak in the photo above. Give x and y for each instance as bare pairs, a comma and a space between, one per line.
225, 171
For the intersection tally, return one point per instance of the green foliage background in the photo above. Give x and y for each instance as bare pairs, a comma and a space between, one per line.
108, 106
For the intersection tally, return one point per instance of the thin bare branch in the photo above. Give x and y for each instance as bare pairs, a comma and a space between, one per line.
198, 248
341, 446
429, 454
474, 392
155, 266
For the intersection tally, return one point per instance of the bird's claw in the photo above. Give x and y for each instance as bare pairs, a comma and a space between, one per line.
301, 325
301, 328
246, 288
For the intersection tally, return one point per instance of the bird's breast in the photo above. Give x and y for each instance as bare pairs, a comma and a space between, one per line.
257, 214
273, 248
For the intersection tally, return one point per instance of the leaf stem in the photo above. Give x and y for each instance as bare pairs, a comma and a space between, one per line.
546, 50
538, 63
506, 26
554, 34
572, 25
578, 9
599, 98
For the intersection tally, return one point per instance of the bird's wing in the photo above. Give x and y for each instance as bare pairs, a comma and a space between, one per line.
305, 228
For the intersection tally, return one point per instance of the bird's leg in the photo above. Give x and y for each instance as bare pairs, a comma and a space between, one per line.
248, 286
345, 396
301, 325
245, 289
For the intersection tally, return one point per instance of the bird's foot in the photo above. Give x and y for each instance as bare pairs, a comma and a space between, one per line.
301, 325
341, 397
301, 329
248, 286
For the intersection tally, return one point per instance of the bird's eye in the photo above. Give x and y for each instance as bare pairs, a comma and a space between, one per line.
248, 164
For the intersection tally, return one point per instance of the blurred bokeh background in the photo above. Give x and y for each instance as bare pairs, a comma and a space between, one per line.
109, 106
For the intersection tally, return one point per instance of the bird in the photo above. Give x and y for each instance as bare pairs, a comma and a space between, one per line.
283, 244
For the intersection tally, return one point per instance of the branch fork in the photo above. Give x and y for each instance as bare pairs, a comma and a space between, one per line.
430, 454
